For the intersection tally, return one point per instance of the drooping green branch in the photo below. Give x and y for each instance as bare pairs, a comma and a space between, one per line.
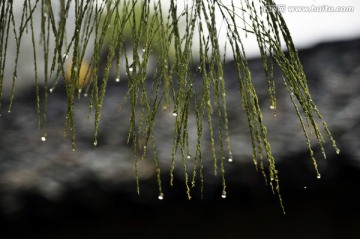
115, 39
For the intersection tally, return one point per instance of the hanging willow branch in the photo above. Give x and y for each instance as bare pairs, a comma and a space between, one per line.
133, 33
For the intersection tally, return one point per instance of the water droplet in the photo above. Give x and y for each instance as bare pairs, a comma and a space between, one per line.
220, 78
85, 94
130, 69
45, 15
305, 187
73, 150
318, 176
272, 107
79, 91
51, 90
9, 111
174, 113
43, 138
223, 194
75, 69
117, 79
65, 56
145, 147
230, 159
337, 151
95, 143
143, 50
161, 196
188, 156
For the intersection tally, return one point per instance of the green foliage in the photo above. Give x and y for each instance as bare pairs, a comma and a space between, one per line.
169, 33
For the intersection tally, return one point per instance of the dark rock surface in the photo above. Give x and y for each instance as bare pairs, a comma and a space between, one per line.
48, 191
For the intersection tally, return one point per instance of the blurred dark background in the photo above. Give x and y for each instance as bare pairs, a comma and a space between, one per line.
48, 191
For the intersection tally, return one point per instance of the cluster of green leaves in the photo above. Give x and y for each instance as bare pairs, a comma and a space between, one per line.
170, 32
